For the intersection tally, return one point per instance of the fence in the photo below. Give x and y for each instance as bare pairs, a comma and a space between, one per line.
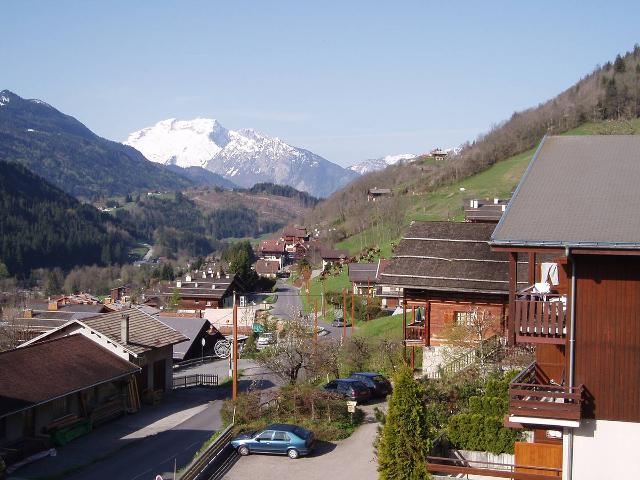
192, 363
468, 358
199, 464
197, 380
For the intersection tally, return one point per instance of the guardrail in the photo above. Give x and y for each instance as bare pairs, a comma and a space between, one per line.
194, 362
199, 464
196, 380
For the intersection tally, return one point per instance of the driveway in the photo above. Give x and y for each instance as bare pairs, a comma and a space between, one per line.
172, 431
350, 459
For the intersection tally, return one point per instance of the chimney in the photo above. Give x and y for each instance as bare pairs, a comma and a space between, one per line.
28, 313
496, 201
124, 329
178, 284
204, 274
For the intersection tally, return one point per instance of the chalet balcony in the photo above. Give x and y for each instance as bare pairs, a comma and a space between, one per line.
541, 318
415, 334
534, 402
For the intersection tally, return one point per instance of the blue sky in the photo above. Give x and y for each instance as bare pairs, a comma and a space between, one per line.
348, 80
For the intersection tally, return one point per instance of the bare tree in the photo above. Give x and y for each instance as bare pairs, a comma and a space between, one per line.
472, 333
293, 352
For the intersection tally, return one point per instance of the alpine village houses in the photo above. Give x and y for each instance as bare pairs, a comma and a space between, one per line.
448, 273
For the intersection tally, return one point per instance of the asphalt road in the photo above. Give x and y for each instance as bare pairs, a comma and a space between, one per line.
289, 302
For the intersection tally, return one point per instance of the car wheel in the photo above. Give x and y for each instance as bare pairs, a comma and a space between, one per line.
243, 450
293, 453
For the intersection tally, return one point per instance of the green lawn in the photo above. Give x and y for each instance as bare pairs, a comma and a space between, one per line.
389, 328
331, 284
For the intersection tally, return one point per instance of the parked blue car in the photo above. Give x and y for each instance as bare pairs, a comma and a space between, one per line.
279, 438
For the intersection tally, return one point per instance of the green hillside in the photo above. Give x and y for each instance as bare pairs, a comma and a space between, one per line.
499, 180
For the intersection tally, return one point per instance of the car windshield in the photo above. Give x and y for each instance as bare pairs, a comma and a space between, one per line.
378, 378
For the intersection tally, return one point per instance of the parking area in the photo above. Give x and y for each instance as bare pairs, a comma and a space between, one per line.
350, 459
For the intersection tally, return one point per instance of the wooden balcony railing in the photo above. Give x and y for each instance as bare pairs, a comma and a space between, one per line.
490, 469
530, 398
540, 319
414, 334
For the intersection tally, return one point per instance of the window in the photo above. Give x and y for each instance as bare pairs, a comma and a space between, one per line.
281, 437
266, 435
464, 318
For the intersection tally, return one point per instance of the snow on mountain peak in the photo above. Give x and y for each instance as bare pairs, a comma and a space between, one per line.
375, 164
186, 143
245, 156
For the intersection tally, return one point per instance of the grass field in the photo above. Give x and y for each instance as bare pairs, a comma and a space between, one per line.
389, 328
445, 203
332, 284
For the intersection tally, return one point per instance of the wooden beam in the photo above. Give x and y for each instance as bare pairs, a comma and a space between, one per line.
505, 248
513, 278
531, 268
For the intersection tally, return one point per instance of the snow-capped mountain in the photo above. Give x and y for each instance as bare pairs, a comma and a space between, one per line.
245, 157
375, 164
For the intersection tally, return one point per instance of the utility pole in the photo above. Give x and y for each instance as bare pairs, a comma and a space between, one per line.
344, 313
315, 325
234, 350
353, 318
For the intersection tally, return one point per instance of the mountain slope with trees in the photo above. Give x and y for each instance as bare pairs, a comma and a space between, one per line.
61, 149
42, 226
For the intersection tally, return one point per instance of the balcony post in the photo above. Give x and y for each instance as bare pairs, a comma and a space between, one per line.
531, 272
427, 324
404, 323
513, 282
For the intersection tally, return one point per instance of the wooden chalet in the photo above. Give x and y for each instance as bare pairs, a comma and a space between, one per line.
294, 234
481, 210
200, 291
363, 277
330, 256
134, 336
375, 193
267, 268
58, 389
273, 250
577, 201
446, 270
390, 295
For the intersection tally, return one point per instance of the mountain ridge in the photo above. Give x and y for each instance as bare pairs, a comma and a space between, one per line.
245, 156
65, 152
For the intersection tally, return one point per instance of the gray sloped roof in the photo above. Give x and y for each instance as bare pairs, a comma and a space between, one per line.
190, 327
145, 332
577, 191
363, 272
448, 256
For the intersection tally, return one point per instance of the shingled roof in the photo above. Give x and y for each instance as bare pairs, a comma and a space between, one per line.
579, 191
448, 256
363, 272
145, 332
41, 372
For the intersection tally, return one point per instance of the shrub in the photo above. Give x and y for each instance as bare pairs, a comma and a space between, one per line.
406, 436
480, 427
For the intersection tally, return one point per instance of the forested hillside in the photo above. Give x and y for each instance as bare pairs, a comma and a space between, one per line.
42, 226
62, 150
611, 93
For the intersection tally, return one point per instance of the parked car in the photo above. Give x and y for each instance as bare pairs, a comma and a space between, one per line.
266, 339
378, 384
339, 322
350, 389
278, 438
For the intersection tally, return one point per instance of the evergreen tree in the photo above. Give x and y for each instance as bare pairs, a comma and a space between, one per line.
4, 272
619, 66
405, 440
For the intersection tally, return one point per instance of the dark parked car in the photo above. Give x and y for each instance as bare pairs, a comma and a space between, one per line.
339, 322
378, 384
350, 389
279, 438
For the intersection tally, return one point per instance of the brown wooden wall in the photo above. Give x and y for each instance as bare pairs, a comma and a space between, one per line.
551, 362
442, 309
190, 303
608, 335
546, 455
